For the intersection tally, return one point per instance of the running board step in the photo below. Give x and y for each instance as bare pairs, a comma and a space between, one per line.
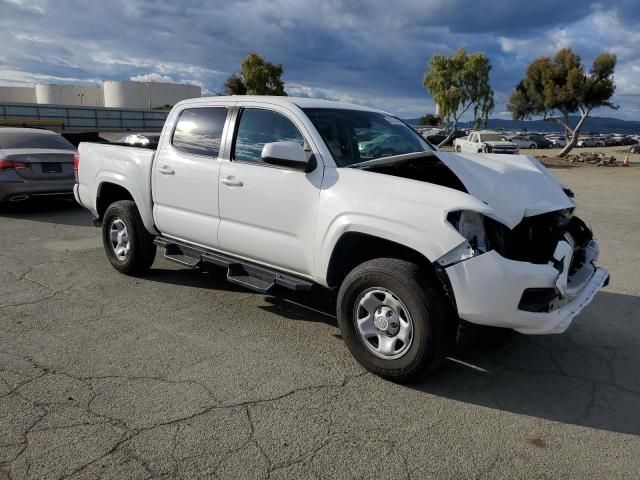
177, 254
248, 275
256, 280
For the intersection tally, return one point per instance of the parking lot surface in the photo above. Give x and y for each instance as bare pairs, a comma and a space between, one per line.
183, 375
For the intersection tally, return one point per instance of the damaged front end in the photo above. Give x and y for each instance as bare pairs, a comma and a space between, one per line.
533, 278
556, 238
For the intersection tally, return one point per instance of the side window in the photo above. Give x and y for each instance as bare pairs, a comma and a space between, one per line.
258, 127
199, 131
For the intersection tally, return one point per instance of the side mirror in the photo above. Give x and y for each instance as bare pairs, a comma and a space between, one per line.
287, 154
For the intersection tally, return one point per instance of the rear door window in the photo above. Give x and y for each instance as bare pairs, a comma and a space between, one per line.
199, 131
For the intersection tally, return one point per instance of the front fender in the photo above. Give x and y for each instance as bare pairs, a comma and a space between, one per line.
432, 241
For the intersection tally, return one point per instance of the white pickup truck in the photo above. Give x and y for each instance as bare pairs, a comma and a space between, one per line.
279, 191
485, 141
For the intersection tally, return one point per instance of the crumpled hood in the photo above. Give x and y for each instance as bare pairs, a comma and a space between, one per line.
514, 186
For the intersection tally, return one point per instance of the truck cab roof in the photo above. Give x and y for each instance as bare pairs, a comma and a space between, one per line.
301, 102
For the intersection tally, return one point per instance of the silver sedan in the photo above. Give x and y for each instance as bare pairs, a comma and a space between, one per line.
34, 163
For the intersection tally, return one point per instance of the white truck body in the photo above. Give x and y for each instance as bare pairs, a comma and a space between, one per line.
485, 141
292, 221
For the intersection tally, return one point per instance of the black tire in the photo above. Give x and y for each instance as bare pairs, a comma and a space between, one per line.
142, 250
458, 148
426, 303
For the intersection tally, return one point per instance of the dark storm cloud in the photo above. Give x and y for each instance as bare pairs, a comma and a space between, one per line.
362, 51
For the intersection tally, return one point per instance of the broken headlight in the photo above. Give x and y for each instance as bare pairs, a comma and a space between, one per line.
470, 225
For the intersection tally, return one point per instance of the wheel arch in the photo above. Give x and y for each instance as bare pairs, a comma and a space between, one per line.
111, 190
354, 248
108, 193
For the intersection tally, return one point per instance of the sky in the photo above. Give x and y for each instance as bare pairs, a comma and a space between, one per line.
365, 52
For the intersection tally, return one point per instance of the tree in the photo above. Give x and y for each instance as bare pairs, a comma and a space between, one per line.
457, 83
557, 87
429, 119
235, 86
256, 77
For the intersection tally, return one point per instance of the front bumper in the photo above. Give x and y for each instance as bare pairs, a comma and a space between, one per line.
488, 289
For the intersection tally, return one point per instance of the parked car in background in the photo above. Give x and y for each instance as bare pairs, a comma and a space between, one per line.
523, 141
276, 191
141, 139
385, 144
540, 140
610, 141
557, 141
485, 141
625, 140
635, 148
34, 163
586, 142
436, 137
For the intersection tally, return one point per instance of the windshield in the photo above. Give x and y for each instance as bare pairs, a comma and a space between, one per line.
9, 140
491, 137
355, 136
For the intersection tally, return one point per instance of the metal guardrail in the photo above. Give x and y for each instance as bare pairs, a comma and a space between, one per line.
81, 119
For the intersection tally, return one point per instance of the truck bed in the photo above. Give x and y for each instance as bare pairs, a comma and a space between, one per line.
126, 166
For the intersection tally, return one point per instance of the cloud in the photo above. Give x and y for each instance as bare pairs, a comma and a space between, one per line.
360, 51
153, 77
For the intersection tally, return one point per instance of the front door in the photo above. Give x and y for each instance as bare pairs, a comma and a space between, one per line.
268, 213
185, 177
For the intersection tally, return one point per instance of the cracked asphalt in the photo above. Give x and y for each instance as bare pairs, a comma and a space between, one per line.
183, 375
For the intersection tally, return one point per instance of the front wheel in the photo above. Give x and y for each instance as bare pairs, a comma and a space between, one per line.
128, 245
394, 319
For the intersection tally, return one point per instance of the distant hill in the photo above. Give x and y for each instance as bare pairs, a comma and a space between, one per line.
592, 124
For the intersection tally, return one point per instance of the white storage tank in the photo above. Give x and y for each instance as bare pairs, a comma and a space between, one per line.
162, 94
18, 94
126, 94
146, 95
51, 94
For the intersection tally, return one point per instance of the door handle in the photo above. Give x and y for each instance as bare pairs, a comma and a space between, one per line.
165, 170
232, 181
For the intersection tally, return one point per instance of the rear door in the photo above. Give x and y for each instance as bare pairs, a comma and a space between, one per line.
185, 176
268, 213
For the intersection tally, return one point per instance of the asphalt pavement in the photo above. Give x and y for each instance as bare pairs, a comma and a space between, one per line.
183, 375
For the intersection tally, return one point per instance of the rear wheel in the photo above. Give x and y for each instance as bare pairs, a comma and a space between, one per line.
128, 245
393, 319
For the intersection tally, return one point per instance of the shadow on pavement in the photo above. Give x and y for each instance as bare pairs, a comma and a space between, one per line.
586, 376
317, 305
211, 279
58, 211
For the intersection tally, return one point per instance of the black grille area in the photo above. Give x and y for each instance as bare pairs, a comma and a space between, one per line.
535, 239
